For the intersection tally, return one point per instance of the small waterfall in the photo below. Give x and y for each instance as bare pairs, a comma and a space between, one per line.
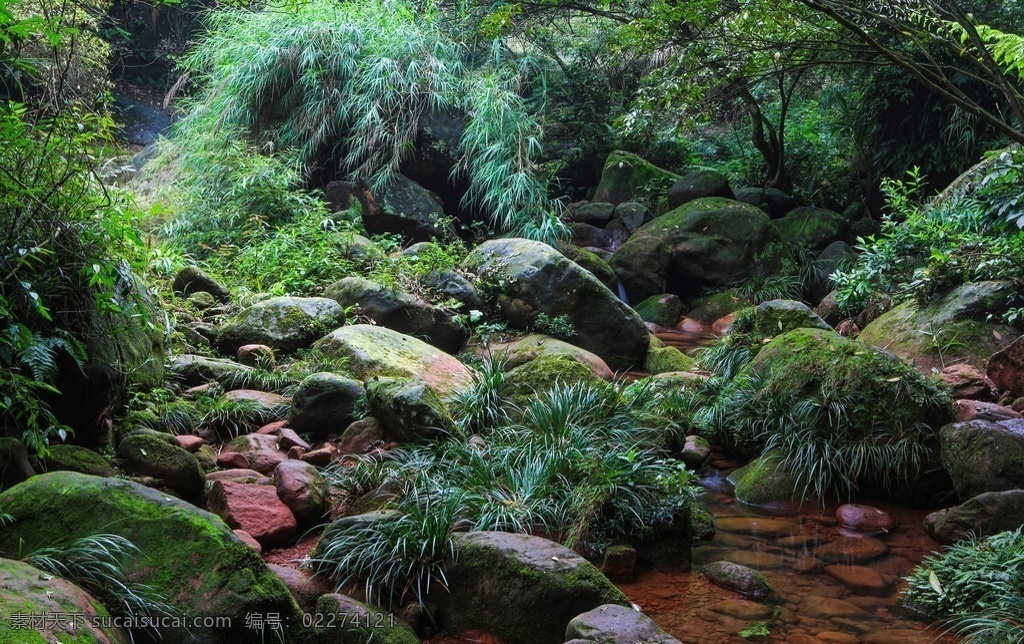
622, 292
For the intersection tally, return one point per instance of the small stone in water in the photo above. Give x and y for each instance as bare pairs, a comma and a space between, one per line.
864, 518
738, 578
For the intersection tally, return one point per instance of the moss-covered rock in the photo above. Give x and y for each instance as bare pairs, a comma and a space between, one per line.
592, 262
150, 456
527, 278
810, 228
524, 383
192, 279
713, 242
628, 177
741, 579
769, 319
75, 458
697, 185
325, 403
38, 608
764, 483
189, 556
376, 351
980, 516
710, 308
400, 311
537, 345
956, 328
408, 409
984, 456
518, 587
282, 323
663, 309
667, 359
193, 370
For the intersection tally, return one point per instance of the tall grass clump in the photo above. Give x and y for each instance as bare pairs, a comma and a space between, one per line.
577, 466
975, 588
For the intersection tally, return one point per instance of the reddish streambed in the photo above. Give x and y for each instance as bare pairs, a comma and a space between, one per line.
815, 606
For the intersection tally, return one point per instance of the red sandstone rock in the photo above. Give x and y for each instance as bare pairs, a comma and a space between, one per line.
965, 410
864, 518
189, 442
1006, 368
253, 508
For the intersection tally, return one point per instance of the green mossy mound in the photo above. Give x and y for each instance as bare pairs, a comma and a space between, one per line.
282, 323
188, 555
663, 309
28, 594
74, 458
408, 409
808, 228
628, 177
524, 383
342, 620
764, 483
954, 329
667, 359
711, 308
776, 317
152, 456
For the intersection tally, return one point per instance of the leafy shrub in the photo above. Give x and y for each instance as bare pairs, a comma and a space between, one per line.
578, 467
976, 588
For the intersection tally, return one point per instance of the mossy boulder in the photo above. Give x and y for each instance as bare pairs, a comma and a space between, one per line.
527, 278
538, 345
663, 309
521, 588
400, 311
375, 351
592, 262
75, 458
408, 409
628, 177
38, 608
339, 619
404, 207
524, 383
282, 323
188, 555
738, 578
192, 279
713, 242
955, 329
764, 483
811, 229
325, 403
980, 516
775, 317
711, 308
614, 624
984, 456
667, 359
151, 456
697, 185
879, 391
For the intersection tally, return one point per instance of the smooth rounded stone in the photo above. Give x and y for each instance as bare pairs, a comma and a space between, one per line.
402, 206
269, 401
151, 456
75, 458
629, 177
191, 279
759, 526
589, 212
699, 184
362, 436
189, 442
965, 410
191, 369
408, 409
300, 487
735, 541
983, 456
850, 550
366, 623
696, 451
859, 579
256, 355
983, 515
801, 638
253, 451
539, 346
739, 578
283, 323
864, 518
614, 624
632, 215
326, 403
829, 607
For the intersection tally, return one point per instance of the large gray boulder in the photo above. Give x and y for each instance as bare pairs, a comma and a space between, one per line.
404, 207
521, 588
400, 311
282, 323
178, 469
529, 278
628, 177
408, 409
189, 556
325, 403
807, 228
376, 351
983, 456
706, 243
697, 185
